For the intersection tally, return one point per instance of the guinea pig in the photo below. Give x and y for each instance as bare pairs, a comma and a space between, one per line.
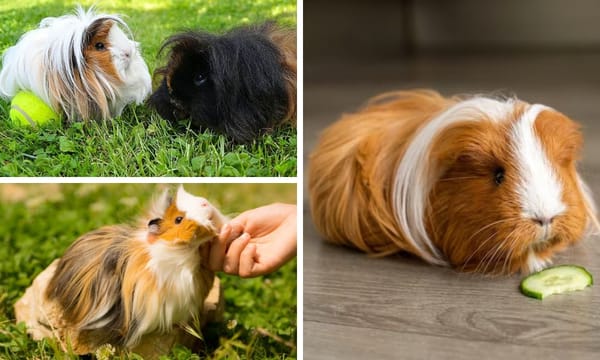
476, 183
240, 83
82, 65
119, 283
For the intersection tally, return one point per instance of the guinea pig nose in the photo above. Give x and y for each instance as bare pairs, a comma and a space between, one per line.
543, 220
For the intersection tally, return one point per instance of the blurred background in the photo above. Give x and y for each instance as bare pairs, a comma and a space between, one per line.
543, 51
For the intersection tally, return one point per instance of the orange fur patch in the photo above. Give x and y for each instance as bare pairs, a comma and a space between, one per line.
101, 59
182, 232
471, 218
350, 170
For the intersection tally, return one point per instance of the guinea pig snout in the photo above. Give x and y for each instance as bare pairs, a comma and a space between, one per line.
543, 221
543, 228
125, 57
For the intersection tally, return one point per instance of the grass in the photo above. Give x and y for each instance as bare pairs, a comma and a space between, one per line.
41, 220
139, 142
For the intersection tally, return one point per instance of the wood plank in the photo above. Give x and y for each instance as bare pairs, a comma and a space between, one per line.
360, 343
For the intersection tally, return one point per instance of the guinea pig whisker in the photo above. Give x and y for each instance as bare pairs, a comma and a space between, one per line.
483, 260
489, 225
489, 260
495, 251
511, 251
508, 259
506, 253
460, 178
486, 258
477, 250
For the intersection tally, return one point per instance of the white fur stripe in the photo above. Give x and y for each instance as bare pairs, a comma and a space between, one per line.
415, 175
539, 190
196, 208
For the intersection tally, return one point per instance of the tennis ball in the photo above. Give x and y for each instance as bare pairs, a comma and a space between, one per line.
28, 109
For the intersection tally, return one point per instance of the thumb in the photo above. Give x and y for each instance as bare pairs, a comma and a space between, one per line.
248, 261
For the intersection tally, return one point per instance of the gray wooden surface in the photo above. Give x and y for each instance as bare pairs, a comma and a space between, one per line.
356, 307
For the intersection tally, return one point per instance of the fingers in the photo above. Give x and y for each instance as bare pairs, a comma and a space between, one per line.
218, 248
248, 261
232, 258
237, 229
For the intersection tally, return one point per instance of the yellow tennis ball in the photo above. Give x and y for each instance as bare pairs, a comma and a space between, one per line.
28, 109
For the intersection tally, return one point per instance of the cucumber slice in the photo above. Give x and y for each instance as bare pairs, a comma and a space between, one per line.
556, 280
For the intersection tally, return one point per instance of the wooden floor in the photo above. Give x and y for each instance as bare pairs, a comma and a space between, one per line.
356, 307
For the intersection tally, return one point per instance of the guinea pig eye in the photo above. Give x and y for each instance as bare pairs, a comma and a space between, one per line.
199, 79
178, 219
499, 175
99, 46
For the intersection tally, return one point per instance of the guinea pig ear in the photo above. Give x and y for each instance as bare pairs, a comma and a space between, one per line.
153, 230
154, 225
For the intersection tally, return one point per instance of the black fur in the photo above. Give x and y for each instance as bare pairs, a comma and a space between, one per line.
233, 83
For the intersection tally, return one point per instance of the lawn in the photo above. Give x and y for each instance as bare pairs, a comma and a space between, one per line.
139, 142
41, 220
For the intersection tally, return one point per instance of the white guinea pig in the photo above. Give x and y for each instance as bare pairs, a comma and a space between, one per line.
476, 183
82, 65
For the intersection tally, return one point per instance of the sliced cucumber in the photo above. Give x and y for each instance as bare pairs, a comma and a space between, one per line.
556, 280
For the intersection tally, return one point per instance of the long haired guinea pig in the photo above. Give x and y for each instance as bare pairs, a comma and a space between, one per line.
82, 65
477, 183
240, 83
119, 283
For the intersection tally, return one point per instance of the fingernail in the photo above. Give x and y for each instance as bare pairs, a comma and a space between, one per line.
245, 236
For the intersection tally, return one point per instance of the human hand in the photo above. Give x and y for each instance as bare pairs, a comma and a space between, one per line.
257, 242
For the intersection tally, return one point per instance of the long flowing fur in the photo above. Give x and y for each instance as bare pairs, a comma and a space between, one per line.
247, 84
57, 62
391, 178
119, 283
349, 179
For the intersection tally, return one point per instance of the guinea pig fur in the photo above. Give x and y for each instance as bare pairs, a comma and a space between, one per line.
476, 183
119, 283
82, 65
240, 83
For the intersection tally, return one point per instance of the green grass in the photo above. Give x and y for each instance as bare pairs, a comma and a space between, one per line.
139, 142
40, 221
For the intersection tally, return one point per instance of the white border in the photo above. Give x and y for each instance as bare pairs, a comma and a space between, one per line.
148, 180
300, 183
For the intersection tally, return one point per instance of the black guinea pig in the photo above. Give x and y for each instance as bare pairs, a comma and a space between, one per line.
240, 83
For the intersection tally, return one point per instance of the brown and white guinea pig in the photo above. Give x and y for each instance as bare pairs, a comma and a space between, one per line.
119, 283
82, 65
476, 183
241, 83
